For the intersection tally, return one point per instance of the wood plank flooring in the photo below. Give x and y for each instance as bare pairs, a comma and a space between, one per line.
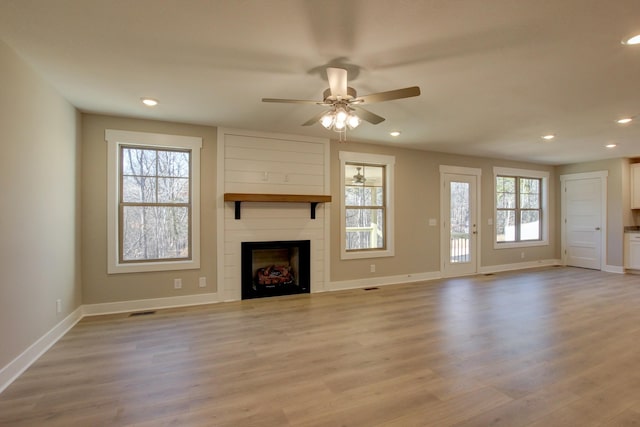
545, 347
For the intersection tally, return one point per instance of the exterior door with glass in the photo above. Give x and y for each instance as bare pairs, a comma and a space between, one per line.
460, 224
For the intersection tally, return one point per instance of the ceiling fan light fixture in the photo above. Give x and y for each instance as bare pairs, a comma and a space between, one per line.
624, 120
353, 121
548, 137
339, 119
327, 120
341, 115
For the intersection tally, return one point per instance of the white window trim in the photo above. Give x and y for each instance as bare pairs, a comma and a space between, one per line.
373, 159
116, 138
526, 173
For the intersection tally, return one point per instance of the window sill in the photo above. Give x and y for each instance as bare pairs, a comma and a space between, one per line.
509, 245
367, 254
147, 267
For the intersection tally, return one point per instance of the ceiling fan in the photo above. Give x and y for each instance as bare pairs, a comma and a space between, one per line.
358, 178
345, 105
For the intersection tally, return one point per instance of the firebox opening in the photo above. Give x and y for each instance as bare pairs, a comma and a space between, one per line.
275, 268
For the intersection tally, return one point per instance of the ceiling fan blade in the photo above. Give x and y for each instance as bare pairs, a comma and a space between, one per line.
315, 119
374, 119
337, 81
407, 92
290, 101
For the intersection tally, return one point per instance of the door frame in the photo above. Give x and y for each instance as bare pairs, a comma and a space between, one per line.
444, 215
602, 175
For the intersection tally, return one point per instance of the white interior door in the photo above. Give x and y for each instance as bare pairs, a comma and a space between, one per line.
460, 225
583, 222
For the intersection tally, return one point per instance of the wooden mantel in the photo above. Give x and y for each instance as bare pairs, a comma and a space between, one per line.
238, 198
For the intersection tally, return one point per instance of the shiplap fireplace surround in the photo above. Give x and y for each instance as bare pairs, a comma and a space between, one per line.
270, 164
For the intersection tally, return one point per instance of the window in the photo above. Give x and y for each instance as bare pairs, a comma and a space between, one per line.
155, 204
154, 207
520, 204
367, 214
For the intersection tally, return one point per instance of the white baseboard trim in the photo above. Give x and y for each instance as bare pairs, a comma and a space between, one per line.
518, 266
17, 366
613, 269
148, 304
383, 281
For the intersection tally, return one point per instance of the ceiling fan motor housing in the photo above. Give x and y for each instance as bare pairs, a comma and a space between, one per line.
330, 99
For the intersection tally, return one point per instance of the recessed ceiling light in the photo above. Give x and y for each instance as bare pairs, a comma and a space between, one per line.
548, 137
149, 102
632, 40
611, 145
394, 133
625, 120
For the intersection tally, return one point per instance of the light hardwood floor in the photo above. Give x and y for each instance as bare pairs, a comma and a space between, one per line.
547, 347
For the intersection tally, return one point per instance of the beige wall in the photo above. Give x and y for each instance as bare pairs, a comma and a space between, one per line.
100, 287
417, 198
39, 196
618, 201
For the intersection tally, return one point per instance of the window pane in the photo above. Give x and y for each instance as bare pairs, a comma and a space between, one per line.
138, 189
459, 218
173, 190
505, 192
155, 232
530, 225
529, 193
364, 229
173, 164
459, 215
506, 226
138, 161
377, 196
354, 196
506, 184
529, 201
363, 196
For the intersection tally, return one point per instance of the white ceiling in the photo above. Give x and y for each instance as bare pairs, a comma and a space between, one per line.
495, 75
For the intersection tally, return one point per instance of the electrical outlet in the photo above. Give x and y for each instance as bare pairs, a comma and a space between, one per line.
58, 306
433, 222
521, 255
177, 283
202, 282
372, 267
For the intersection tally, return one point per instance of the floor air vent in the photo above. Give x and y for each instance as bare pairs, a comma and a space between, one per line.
142, 313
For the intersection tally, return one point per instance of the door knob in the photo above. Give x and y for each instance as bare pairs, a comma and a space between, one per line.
597, 228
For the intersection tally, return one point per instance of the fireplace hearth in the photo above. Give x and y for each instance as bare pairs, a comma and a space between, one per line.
275, 268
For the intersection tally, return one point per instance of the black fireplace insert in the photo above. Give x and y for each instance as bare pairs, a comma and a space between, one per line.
275, 268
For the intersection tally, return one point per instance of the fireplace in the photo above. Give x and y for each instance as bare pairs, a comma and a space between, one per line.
275, 268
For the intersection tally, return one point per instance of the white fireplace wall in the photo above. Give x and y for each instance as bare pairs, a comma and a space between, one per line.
262, 163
